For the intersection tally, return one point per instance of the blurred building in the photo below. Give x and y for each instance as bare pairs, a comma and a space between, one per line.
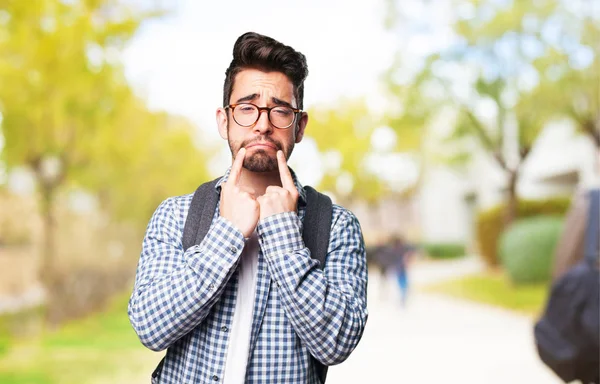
560, 162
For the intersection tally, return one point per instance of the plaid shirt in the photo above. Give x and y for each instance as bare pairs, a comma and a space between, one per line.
184, 301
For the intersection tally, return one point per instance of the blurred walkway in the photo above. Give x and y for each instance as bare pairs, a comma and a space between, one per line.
437, 339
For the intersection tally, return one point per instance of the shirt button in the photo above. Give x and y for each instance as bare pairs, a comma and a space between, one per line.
211, 287
215, 378
224, 329
233, 249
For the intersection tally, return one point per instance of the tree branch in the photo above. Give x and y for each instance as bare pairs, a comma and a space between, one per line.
484, 138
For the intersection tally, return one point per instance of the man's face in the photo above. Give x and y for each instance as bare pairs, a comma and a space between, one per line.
262, 140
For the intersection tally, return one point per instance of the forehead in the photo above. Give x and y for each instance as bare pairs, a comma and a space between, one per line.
268, 84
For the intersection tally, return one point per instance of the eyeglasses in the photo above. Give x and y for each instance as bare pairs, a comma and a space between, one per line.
247, 114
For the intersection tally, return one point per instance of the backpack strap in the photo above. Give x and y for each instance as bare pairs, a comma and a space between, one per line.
317, 224
592, 233
316, 231
200, 214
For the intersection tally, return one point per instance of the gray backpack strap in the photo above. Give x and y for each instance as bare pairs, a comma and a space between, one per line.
317, 224
200, 214
317, 228
592, 234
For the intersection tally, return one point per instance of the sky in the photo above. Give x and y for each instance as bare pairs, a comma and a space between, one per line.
178, 63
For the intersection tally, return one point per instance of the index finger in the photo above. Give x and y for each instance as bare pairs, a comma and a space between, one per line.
236, 167
284, 173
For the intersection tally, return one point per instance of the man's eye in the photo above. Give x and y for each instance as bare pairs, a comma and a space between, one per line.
282, 111
246, 108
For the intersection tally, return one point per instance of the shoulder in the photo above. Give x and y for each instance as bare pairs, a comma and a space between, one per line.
345, 234
343, 218
181, 204
173, 208
340, 216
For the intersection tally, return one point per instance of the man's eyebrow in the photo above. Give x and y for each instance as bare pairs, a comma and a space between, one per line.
274, 100
280, 102
247, 98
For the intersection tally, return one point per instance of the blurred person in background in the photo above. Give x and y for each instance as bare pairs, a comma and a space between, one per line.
567, 334
248, 303
569, 249
570, 246
383, 260
402, 254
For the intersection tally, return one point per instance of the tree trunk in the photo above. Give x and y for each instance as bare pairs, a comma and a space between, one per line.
593, 130
48, 272
512, 198
47, 265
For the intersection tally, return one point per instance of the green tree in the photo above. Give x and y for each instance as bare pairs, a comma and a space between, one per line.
62, 86
509, 69
570, 67
343, 131
411, 113
152, 156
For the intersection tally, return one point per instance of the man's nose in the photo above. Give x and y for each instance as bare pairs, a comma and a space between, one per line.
263, 125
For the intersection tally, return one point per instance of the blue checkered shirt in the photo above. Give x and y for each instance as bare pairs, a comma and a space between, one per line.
184, 300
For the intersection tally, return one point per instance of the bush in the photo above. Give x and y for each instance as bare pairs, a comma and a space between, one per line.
490, 223
527, 248
443, 250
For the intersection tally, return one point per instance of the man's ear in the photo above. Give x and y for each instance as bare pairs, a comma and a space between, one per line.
301, 126
222, 122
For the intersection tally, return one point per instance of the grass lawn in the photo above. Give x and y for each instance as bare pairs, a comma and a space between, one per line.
102, 348
494, 288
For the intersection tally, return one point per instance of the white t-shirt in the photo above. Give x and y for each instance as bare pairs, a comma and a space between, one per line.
239, 339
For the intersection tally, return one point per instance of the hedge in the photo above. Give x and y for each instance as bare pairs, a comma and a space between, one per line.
527, 248
443, 250
490, 223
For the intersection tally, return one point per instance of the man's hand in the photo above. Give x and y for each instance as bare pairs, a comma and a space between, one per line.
279, 199
238, 204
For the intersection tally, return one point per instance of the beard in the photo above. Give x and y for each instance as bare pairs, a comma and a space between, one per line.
261, 160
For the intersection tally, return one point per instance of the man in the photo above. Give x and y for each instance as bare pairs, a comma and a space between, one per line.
249, 304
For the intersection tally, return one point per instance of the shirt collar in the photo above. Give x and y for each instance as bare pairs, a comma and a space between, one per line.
299, 187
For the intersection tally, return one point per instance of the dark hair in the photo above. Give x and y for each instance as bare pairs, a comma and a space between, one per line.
252, 50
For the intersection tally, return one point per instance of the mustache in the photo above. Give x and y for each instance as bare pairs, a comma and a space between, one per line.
263, 139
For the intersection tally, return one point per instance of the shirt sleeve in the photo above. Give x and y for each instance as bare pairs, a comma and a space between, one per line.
175, 290
327, 308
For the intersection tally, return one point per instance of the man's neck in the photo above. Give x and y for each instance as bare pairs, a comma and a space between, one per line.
259, 181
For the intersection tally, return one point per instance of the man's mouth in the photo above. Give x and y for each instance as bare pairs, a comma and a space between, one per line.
261, 144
